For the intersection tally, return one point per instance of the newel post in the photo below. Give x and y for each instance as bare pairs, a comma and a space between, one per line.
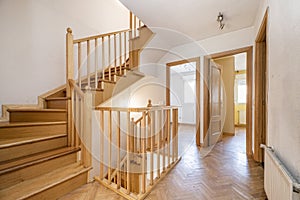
87, 124
69, 75
69, 57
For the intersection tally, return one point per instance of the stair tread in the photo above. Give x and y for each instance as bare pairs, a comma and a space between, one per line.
35, 110
56, 98
36, 185
5, 143
25, 161
22, 124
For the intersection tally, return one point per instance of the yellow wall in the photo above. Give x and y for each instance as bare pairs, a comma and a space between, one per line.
238, 107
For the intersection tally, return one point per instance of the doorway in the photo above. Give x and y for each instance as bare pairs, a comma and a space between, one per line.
187, 75
206, 102
261, 80
235, 91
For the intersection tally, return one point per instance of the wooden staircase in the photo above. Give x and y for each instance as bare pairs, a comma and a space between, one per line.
42, 154
35, 159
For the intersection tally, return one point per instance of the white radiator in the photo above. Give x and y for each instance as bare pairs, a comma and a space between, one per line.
277, 182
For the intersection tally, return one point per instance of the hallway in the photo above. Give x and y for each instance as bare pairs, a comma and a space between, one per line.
225, 173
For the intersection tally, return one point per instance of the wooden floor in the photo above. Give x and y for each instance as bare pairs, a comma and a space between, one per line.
225, 173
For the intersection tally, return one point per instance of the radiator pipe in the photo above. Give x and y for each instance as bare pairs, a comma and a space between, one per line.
296, 185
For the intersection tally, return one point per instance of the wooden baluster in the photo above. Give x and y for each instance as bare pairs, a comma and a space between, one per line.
109, 59
103, 63
101, 144
115, 57
159, 124
164, 139
134, 24
82, 145
173, 135
125, 57
109, 144
72, 143
79, 65
135, 140
144, 164
96, 63
120, 51
128, 153
119, 147
176, 132
77, 105
81, 119
88, 63
140, 137
130, 20
168, 137
132, 137
151, 135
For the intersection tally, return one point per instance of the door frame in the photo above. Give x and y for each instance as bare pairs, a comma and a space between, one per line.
249, 77
179, 62
261, 88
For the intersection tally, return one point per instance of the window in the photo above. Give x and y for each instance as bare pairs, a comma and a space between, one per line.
189, 89
242, 91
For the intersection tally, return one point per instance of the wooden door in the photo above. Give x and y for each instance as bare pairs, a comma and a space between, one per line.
215, 103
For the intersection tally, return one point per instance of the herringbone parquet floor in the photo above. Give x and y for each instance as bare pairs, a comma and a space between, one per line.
225, 173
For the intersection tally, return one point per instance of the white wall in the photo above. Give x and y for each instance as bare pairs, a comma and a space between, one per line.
283, 59
186, 112
32, 41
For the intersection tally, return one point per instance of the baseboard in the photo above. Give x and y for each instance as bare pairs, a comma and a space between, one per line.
240, 125
228, 134
190, 124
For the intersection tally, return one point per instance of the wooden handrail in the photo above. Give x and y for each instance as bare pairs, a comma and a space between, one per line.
140, 119
137, 109
76, 88
98, 36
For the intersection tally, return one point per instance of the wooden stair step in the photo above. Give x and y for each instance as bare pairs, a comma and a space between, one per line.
33, 159
37, 115
28, 167
99, 80
19, 147
12, 130
49, 186
57, 102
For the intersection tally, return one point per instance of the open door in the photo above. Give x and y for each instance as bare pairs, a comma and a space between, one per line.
215, 103
212, 98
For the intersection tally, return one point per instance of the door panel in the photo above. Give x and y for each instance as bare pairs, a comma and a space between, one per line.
215, 104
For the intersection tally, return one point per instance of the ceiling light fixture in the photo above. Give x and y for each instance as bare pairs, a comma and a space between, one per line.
220, 20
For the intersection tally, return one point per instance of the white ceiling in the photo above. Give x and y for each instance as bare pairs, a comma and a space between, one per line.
195, 18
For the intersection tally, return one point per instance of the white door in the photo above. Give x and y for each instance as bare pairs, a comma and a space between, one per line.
215, 103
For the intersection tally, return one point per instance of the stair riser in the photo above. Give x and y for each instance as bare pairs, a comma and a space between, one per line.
56, 104
13, 152
32, 131
15, 177
36, 116
100, 97
62, 188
